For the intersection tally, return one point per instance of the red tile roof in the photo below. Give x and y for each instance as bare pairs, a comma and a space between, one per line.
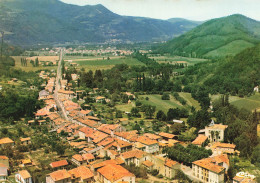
6, 140
114, 172
88, 156
81, 172
133, 154
60, 175
59, 163
148, 163
166, 135
200, 140
207, 164
24, 174
170, 163
146, 140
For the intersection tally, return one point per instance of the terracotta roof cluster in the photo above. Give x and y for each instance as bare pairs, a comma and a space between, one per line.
114, 172
200, 140
60, 163
4, 157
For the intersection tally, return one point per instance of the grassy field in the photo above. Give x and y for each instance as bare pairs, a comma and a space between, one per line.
29, 66
190, 101
160, 104
106, 64
178, 59
250, 103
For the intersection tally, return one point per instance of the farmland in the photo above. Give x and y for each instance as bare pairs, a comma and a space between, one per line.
30, 67
178, 59
250, 103
99, 63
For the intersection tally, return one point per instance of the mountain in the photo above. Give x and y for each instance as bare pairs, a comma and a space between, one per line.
184, 23
52, 21
236, 75
216, 38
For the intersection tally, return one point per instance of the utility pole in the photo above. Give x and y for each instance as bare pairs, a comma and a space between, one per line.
2, 43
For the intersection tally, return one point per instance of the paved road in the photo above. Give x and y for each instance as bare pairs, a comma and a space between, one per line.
57, 88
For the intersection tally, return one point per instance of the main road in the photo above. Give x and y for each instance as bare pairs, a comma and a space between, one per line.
58, 87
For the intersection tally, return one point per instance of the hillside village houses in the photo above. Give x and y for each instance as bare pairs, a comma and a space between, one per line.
97, 142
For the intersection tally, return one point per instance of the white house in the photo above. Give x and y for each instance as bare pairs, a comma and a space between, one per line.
23, 176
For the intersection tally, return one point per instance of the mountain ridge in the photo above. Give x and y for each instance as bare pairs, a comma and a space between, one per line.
52, 21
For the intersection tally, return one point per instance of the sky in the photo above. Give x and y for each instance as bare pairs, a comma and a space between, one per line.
189, 9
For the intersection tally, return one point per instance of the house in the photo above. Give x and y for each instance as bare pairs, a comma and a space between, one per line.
200, 141
151, 146
153, 136
25, 141
219, 148
148, 165
4, 160
135, 156
243, 177
60, 176
59, 164
84, 113
114, 174
77, 159
100, 99
23, 176
206, 170
120, 146
215, 133
88, 157
3, 172
167, 136
170, 168
43, 95
6, 141
82, 174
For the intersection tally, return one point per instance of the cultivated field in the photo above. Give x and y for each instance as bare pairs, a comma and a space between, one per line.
178, 59
99, 63
250, 103
29, 66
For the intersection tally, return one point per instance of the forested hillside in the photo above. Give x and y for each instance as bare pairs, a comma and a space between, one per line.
236, 75
216, 38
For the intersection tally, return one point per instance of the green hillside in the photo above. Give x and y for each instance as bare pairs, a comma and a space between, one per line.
216, 38
236, 75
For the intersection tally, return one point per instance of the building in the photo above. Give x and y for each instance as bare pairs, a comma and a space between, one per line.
4, 160
219, 148
135, 156
148, 165
167, 136
151, 146
43, 95
60, 176
25, 141
100, 99
216, 132
243, 177
23, 176
59, 164
201, 141
114, 174
206, 170
82, 174
170, 168
6, 141
3, 172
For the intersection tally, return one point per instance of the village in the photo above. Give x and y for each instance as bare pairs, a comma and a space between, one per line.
103, 150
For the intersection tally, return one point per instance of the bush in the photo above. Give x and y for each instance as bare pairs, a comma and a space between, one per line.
160, 176
165, 96
155, 172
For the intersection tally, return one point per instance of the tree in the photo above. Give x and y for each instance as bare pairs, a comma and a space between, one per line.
149, 111
255, 158
161, 115
165, 96
135, 112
